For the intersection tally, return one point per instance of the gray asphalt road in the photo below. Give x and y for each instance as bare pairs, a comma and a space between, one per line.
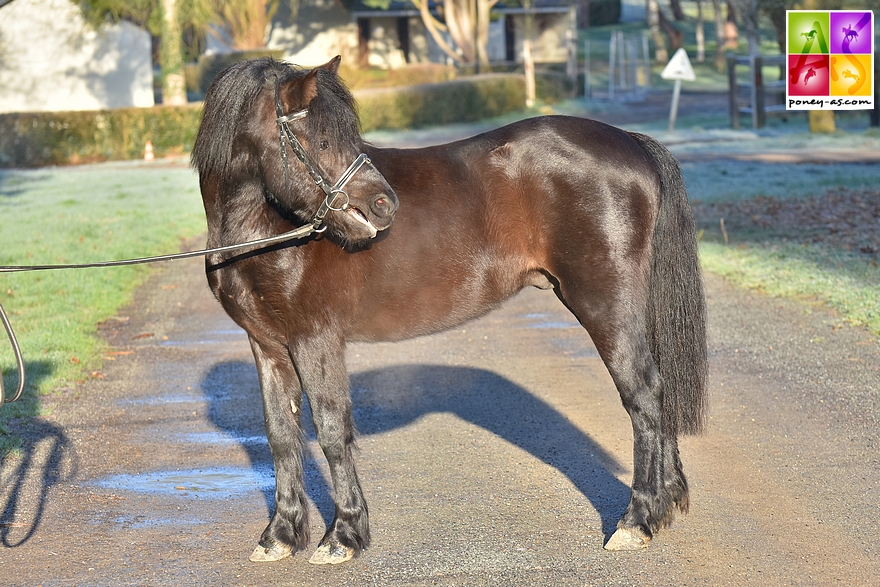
497, 453
494, 454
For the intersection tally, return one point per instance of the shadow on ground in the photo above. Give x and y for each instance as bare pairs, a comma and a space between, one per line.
389, 398
28, 474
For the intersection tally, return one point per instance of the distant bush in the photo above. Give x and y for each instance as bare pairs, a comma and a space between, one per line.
64, 138
603, 12
462, 100
358, 78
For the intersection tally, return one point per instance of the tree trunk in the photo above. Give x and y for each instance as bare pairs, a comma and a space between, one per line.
777, 17
677, 12
528, 58
701, 34
749, 11
652, 10
171, 56
467, 22
822, 121
720, 36
484, 8
675, 36
731, 34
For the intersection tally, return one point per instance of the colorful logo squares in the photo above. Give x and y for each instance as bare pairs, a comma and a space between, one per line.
830, 57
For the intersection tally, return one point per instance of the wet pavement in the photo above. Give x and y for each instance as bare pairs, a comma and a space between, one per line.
495, 453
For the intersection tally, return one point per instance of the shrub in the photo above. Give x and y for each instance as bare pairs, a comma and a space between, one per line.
462, 100
61, 138
65, 138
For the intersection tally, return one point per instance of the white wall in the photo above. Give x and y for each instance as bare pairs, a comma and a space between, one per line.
50, 60
322, 30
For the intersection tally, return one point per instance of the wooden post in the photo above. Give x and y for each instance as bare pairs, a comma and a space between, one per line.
734, 91
758, 114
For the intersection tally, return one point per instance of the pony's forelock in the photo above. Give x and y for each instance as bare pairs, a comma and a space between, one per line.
230, 104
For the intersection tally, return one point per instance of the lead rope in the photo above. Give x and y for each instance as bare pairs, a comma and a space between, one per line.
18, 359
314, 226
301, 232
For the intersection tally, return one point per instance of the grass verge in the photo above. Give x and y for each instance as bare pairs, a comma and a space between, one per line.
845, 281
79, 215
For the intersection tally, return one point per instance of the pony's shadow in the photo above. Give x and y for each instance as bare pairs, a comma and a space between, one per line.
389, 398
46, 455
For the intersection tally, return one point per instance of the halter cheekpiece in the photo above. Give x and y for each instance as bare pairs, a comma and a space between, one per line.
331, 191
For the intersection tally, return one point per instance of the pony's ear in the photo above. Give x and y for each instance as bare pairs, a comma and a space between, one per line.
333, 65
298, 93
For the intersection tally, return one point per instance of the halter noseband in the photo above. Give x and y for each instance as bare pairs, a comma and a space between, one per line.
331, 191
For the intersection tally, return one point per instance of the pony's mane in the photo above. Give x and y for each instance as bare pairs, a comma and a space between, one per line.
229, 110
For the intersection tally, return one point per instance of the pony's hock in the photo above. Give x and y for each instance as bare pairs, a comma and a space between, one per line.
597, 214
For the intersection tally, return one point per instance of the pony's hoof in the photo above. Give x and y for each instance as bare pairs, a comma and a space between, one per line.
628, 539
331, 553
276, 552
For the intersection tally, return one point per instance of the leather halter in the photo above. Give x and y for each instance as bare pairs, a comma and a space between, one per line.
331, 191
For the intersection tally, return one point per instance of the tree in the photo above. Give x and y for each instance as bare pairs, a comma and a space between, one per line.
244, 23
159, 18
171, 56
466, 22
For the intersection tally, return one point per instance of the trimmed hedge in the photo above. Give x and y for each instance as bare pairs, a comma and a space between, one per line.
36, 139
461, 100
67, 138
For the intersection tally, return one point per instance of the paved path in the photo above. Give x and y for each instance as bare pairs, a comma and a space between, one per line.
494, 454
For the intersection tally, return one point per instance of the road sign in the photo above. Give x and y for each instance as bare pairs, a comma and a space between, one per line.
679, 67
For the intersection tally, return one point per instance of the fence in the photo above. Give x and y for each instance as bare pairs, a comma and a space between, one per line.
756, 90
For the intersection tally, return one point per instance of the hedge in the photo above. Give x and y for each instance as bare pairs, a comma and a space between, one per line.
462, 100
64, 138
69, 138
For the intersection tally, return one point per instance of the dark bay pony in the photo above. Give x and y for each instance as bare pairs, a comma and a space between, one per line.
422, 240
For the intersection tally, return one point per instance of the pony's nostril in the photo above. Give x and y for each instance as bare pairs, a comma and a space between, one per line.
383, 205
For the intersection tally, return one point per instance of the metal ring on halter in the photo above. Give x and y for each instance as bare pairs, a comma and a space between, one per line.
330, 203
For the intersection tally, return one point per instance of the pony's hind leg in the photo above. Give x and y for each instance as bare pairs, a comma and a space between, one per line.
320, 364
617, 327
288, 530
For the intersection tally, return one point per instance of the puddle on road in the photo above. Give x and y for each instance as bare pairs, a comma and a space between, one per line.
573, 347
164, 399
209, 483
218, 337
540, 321
222, 438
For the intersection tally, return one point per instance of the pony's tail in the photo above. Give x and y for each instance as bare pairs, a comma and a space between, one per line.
676, 313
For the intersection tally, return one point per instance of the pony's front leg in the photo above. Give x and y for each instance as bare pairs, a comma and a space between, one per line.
288, 531
320, 363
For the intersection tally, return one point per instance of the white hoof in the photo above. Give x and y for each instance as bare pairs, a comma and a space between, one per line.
331, 554
627, 539
276, 552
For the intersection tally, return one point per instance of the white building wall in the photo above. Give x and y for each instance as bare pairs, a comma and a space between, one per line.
50, 60
549, 44
323, 29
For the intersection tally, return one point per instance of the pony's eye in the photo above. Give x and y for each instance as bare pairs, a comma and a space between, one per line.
324, 145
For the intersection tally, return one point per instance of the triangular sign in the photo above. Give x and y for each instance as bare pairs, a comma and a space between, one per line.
679, 67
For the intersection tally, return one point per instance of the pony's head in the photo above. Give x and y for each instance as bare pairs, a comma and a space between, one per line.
293, 134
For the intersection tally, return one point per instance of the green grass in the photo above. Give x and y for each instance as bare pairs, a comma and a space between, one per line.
773, 261
73, 215
847, 282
